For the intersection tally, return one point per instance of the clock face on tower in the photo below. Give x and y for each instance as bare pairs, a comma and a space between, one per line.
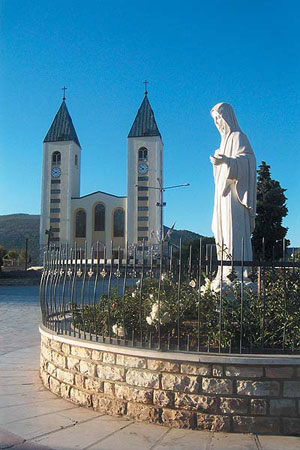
142, 169
55, 172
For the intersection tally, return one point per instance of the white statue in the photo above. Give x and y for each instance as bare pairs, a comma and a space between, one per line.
234, 168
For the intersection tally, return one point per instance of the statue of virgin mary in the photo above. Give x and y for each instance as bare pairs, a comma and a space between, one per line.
234, 169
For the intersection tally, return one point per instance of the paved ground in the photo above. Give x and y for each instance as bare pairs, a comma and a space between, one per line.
33, 418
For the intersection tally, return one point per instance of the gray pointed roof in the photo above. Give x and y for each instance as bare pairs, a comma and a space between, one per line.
144, 124
62, 128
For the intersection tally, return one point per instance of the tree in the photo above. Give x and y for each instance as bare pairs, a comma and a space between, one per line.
3, 252
271, 208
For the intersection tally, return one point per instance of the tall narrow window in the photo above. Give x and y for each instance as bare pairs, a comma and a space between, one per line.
143, 154
76, 160
80, 225
99, 217
56, 158
119, 223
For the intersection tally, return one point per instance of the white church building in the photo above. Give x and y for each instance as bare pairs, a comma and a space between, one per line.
112, 220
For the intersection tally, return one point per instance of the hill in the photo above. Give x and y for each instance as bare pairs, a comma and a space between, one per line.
14, 228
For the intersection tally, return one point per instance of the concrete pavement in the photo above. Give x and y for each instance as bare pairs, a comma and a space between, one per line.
33, 418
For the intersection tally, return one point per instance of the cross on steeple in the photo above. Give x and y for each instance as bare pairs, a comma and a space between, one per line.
64, 89
145, 83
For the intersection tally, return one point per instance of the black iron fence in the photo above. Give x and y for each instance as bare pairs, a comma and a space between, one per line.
160, 298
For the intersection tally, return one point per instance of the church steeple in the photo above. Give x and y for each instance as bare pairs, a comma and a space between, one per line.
144, 123
62, 128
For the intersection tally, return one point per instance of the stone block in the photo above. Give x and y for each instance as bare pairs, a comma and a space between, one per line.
291, 426
217, 386
217, 370
196, 369
45, 341
178, 418
291, 389
142, 378
258, 388
163, 366
80, 398
81, 352
79, 381
208, 422
46, 352
244, 371
87, 368
108, 358
181, 383
55, 345
279, 372
111, 373
163, 399
65, 376
143, 413
109, 405
132, 394
54, 385
109, 389
73, 362
66, 349
234, 405
131, 361
266, 425
65, 390
45, 378
258, 406
196, 402
58, 360
96, 355
283, 407
51, 368
94, 385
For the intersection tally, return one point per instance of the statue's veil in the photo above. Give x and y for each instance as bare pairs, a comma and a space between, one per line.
226, 112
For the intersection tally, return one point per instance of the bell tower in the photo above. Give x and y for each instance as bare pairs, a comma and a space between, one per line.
144, 177
60, 178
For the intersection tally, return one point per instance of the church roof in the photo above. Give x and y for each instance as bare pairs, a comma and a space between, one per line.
144, 124
62, 128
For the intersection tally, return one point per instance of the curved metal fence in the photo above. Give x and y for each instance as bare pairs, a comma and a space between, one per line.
160, 298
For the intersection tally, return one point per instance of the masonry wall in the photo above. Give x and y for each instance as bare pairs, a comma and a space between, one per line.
255, 398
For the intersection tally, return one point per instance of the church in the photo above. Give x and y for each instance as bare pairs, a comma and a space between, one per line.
112, 220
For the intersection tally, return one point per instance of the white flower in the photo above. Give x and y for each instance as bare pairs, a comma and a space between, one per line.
154, 315
133, 295
151, 296
155, 308
163, 276
149, 320
121, 331
206, 287
138, 283
115, 328
192, 283
166, 318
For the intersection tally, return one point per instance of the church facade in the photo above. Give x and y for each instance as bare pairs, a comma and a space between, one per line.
112, 221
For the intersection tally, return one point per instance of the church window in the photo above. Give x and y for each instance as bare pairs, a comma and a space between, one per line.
143, 199
80, 225
56, 158
143, 219
142, 188
142, 228
55, 191
54, 210
143, 154
99, 217
54, 219
55, 200
143, 208
76, 160
119, 223
55, 181
143, 178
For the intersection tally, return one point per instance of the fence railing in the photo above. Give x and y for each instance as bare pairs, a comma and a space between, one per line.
160, 298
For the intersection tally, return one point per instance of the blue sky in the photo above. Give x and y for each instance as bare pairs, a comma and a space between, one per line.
194, 54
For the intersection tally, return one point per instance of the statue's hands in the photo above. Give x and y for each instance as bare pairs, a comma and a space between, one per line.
221, 159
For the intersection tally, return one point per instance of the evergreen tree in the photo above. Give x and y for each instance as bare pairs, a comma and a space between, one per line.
271, 208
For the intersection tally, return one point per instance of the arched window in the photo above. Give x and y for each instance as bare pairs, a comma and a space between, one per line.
99, 224
80, 225
56, 158
119, 223
143, 154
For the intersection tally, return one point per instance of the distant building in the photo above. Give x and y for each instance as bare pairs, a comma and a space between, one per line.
100, 216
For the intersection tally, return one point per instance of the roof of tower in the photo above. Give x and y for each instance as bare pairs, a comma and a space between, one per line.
62, 128
144, 124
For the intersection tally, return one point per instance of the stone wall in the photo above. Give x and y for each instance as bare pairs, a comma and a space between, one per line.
176, 392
